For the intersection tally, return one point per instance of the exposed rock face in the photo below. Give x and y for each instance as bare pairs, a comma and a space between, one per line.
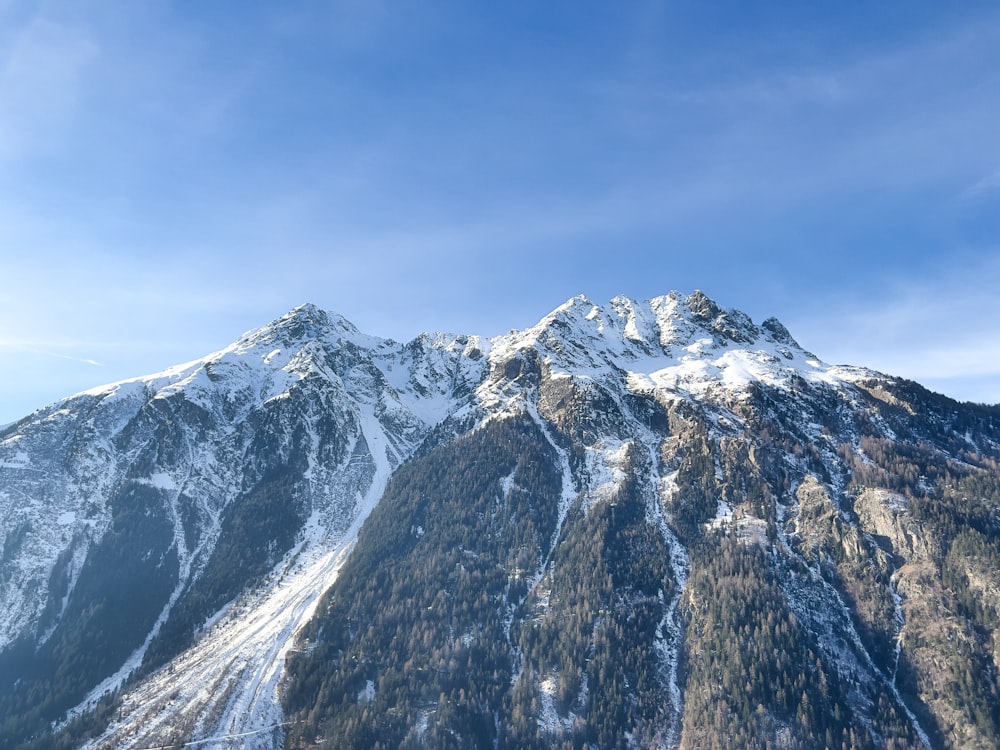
884, 515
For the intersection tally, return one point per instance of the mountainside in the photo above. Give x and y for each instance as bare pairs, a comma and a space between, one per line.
651, 524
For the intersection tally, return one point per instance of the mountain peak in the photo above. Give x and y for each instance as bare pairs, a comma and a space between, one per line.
303, 323
315, 320
575, 307
778, 332
732, 324
702, 306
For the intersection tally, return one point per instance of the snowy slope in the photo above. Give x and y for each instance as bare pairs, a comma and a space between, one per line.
330, 409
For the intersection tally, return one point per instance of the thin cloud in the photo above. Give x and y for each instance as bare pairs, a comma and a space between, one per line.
940, 332
54, 355
891, 116
989, 184
41, 77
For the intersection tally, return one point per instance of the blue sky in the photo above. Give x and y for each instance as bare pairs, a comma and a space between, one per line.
173, 174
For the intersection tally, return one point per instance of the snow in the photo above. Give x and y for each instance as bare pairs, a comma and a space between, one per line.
46, 506
670, 632
723, 516
162, 481
423, 720
606, 462
900, 621
548, 715
227, 684
19, 460
506, 485
367, 694
660, 347
568, 494
639, 325
386, 397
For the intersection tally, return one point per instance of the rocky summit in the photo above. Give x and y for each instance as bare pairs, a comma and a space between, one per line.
643, 524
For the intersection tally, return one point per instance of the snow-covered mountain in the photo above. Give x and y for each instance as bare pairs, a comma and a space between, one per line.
641, 524
134, 513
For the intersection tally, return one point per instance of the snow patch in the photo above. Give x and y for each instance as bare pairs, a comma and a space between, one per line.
19, 460
548, 715
367, 693
723, 516
163, 481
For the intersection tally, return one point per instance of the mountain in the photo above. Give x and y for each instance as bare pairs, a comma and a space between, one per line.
647, 524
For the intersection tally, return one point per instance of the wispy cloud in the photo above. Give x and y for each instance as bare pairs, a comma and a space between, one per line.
902, 115
48, 353
938, 331
41, 77
987, 185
